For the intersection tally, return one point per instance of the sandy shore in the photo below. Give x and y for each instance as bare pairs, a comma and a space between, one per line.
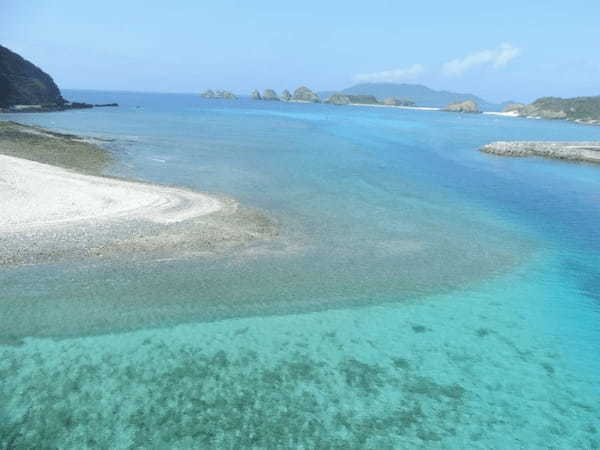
418, 108
40, 196
502, 114
51, 213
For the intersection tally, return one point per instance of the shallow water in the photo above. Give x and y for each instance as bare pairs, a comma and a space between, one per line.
421, 294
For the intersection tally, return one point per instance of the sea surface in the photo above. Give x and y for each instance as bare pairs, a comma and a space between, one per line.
420, 294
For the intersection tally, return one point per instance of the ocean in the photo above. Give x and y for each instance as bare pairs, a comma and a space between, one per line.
420, 294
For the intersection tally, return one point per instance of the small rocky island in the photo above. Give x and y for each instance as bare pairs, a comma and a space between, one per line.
270, 95
395, 101
468, 106
572, 151
24, 87
305, 95
301, 95
218, 94
584, 110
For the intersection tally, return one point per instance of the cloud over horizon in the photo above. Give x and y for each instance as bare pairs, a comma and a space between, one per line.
497, 58
407, 74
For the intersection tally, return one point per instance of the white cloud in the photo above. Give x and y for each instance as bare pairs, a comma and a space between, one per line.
408, 74
497, 58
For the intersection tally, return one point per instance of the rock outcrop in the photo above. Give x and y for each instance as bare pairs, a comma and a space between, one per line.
25, 87
578, 109
286, 96
218, 94
270, 94
209, 93
304, 94
573, 151
256, 95
338, 99
395, 101
468, 106
513, 108
23, 83
363, 99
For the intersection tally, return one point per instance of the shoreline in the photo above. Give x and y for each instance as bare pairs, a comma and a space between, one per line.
69, 210
418, 108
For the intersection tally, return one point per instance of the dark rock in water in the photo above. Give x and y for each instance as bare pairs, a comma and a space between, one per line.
78, 105
304, 94
468, 106
338, 99
103, 105
363, 99
23, 83
286, 96
49, 108
270, 94
513, 107
256, 95
395, 101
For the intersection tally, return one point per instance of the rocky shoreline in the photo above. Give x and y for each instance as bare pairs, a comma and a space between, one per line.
571, 151
582, 110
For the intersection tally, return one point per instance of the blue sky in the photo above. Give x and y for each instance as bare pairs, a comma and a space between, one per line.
500, 50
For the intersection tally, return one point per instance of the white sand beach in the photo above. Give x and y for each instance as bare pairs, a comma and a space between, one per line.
35, 195
504, 114
421, 108
55, 214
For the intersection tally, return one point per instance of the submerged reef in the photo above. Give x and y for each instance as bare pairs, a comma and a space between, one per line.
230, 385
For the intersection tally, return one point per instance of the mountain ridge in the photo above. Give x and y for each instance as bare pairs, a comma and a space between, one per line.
420, 94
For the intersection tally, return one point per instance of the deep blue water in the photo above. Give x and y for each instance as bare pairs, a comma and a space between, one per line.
387, 217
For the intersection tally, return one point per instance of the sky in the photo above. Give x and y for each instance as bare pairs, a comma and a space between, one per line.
500, 50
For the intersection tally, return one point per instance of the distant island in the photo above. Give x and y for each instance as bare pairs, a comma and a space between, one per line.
218, 94
468, 106
584, 110
301, 95
24, 87
419, 94
305, 95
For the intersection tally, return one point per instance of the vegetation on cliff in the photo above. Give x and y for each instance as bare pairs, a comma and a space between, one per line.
23, 83
578, 109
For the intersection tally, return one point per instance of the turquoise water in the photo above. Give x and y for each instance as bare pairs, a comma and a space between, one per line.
420, 295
